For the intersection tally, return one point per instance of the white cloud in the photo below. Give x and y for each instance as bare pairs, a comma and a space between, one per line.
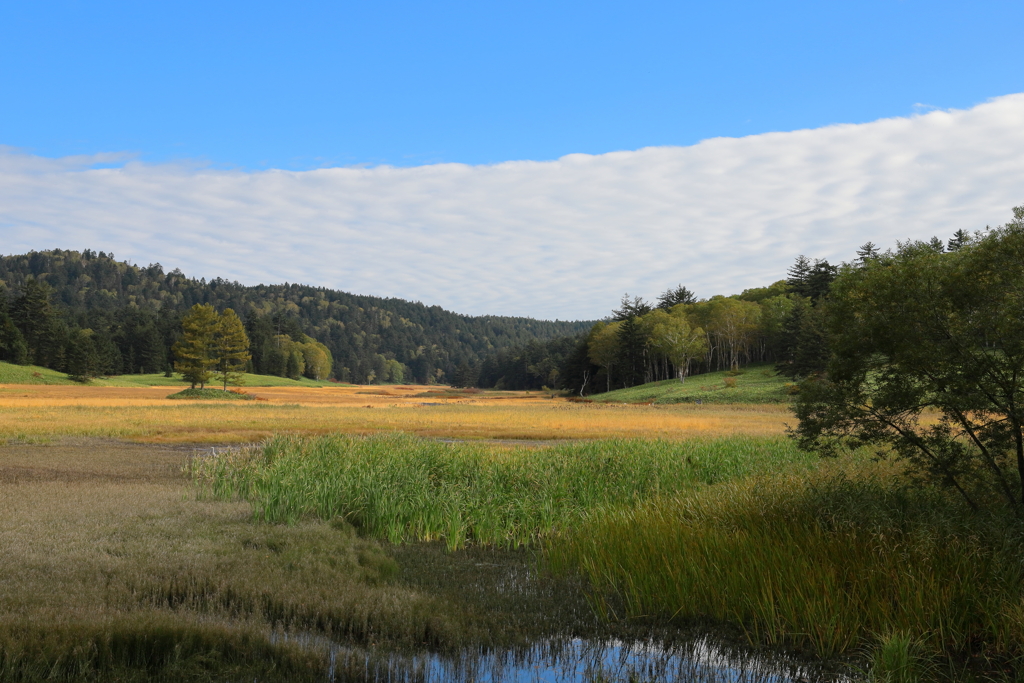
561, 238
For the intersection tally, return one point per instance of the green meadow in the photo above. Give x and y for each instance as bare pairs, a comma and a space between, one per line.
753, 384
32, 374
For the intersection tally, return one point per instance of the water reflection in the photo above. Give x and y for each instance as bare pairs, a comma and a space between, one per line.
567, 661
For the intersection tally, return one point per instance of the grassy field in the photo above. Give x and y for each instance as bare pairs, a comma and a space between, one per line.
109, 572
31, 374
118, 565
758, 384
145, 414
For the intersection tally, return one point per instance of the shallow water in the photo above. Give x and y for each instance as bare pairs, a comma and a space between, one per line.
566, 661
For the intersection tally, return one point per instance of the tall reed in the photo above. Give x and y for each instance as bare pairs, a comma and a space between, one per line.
400, 488
831, 565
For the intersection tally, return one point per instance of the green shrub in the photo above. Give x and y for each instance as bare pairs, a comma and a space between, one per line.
211, 395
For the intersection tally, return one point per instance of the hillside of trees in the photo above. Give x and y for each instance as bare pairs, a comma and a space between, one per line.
67, 309
679, 335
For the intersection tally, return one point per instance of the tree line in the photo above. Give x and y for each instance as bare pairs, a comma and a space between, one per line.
678, 335
74, 310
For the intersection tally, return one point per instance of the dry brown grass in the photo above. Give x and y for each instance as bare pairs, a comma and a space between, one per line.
144, 414
98, 536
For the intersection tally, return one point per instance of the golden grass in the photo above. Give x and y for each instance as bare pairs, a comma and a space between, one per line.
145, 414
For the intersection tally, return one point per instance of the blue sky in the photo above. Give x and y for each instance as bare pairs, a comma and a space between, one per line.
302, 85
533, 159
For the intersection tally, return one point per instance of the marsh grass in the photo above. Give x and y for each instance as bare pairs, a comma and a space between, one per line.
826, 562
110, 573
400, 488
145, 415
898, 658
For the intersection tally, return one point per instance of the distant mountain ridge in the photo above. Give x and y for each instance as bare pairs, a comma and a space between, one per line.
138, 310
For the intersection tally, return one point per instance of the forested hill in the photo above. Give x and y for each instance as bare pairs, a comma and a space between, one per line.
134, 316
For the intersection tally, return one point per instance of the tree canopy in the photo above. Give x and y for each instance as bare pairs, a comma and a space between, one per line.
926, 362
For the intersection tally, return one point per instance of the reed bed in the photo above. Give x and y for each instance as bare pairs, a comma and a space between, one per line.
402, 488
831, 563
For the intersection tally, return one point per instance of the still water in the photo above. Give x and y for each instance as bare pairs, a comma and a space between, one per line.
576, 660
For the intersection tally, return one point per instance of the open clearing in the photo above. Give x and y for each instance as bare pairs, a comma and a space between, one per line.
34, 412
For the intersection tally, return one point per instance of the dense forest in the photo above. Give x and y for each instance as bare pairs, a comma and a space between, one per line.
68, 309
679, 335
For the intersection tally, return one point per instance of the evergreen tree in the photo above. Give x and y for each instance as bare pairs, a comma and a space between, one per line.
83, 361
577, 371
867, 252
675, 296
804, 343
798, 274
632, 347
959, 240
12, 344
13, 348
230, 348
276, 362
34, 315
194, 352
631, 308
811, 280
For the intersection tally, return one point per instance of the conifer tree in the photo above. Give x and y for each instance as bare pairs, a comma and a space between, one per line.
83, 361
960, 239
231, 348
34, 315
675, 296
12, 344
193, 353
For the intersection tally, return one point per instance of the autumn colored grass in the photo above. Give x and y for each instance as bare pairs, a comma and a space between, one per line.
699, 513
145, 414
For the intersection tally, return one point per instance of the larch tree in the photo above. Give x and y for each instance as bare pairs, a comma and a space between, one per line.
194, 352
230, 348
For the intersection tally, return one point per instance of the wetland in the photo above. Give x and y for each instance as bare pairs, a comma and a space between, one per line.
491, 537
